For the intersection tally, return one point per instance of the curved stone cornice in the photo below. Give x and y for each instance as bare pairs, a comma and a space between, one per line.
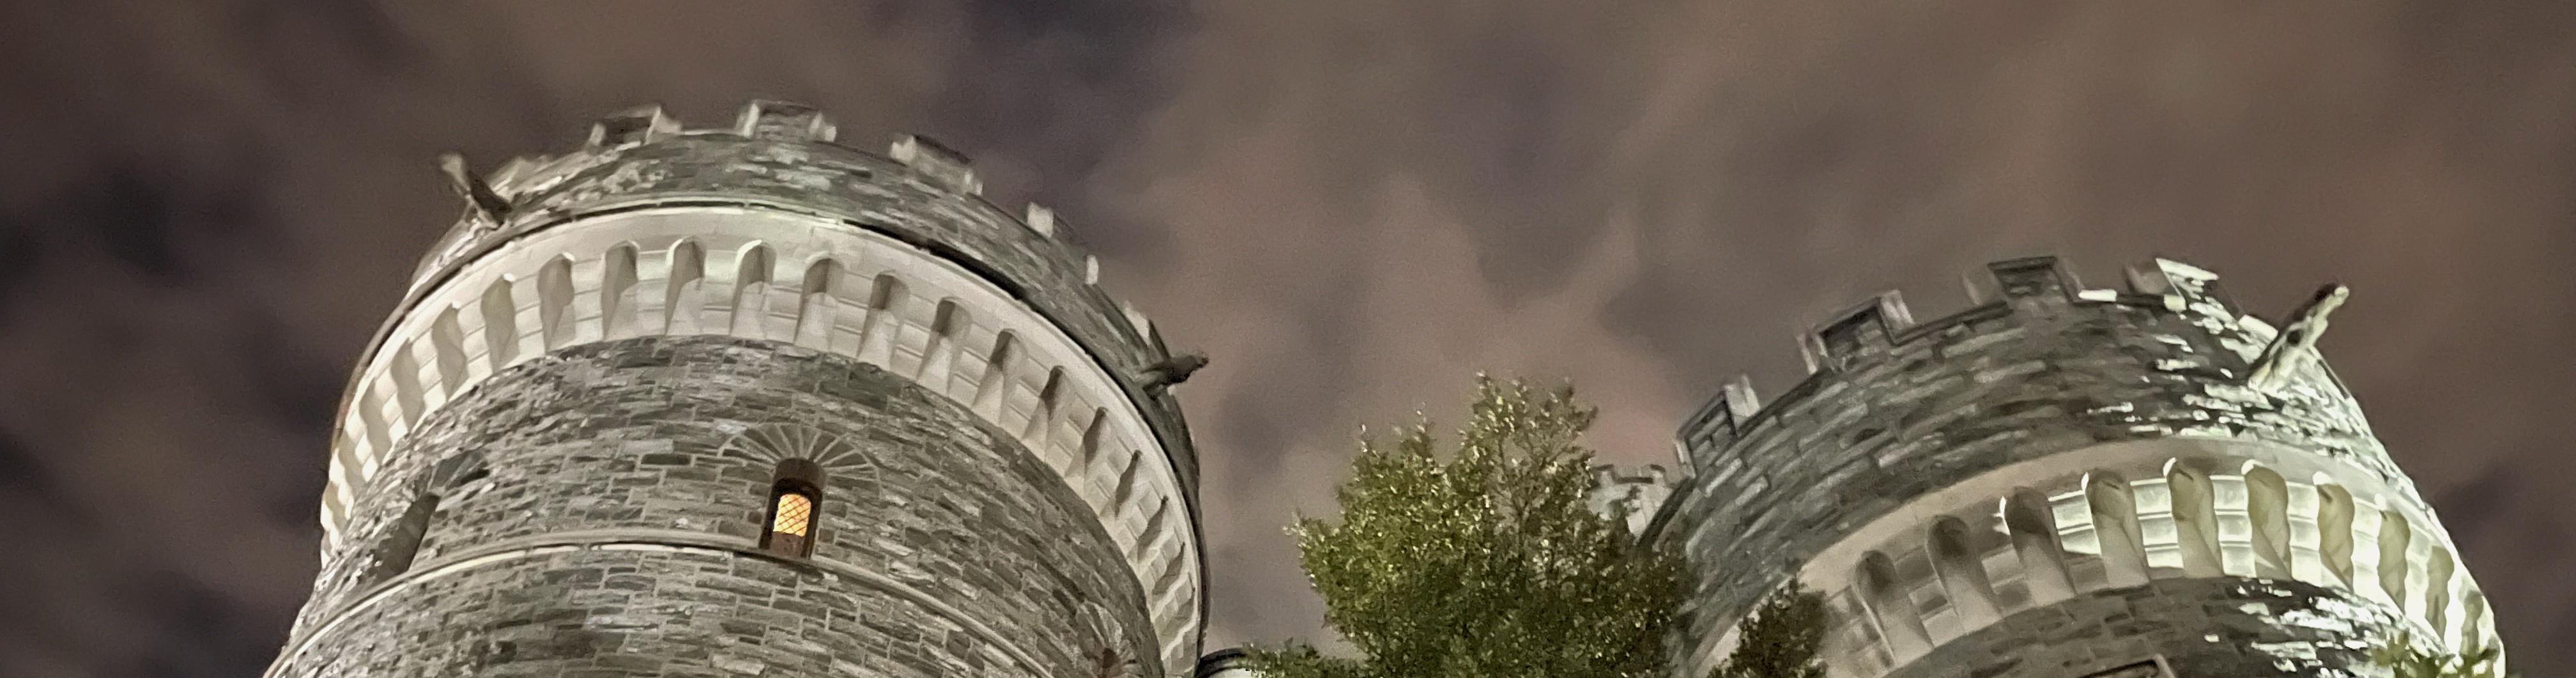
2123, 515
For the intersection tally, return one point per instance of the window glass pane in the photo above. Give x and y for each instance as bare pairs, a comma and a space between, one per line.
794, 513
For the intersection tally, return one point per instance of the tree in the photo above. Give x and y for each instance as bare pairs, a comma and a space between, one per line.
1781, 639
2405, 660
1486, 564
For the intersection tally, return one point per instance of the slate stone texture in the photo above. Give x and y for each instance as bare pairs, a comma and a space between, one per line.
596, 512
1896, 410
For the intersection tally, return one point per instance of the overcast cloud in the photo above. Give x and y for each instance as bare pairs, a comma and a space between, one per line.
1354, 205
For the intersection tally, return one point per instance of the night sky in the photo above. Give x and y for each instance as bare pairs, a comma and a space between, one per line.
1353, 205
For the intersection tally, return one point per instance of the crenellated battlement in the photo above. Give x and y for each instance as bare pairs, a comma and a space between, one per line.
784, 156
2015, 296
531, 183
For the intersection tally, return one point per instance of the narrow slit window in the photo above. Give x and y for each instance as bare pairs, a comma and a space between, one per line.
400, 544
795, 504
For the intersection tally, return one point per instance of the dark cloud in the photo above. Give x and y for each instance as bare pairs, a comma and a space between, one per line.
19, 253
1352, 205
20, 470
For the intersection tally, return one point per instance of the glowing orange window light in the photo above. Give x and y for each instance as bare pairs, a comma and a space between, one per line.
795, 512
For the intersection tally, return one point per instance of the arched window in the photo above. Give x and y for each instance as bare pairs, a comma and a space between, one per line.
795, 509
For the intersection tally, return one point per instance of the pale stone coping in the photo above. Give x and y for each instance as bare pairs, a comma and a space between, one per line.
638, 539
814, 282
1895, 592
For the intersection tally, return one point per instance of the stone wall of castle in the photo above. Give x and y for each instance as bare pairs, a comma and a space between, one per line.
598, 509
2050, 444
592, 382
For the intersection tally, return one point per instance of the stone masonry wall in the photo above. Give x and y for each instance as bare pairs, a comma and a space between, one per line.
1896, 411
2235, 628
610, 531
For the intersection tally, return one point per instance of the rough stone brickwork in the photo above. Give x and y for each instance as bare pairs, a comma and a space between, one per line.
2046, 446
559, 456
945, 549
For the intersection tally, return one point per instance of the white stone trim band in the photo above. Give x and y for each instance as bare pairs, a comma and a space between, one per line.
2122, 515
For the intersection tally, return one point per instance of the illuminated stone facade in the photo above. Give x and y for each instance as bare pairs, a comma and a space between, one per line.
581, 444
2064, 482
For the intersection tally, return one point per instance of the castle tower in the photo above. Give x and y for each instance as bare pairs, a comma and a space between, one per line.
743, 401
2066, 482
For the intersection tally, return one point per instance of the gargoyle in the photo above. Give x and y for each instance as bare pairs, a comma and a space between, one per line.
472, 188
1160, 376
2296, 345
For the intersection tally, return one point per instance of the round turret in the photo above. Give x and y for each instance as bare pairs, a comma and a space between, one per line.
746, 400
2065, 481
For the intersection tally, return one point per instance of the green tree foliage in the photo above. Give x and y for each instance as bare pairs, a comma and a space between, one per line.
1485, 562
2404, 660
1781, 639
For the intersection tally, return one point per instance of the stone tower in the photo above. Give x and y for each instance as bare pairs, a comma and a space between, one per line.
2065, 482
743, 401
